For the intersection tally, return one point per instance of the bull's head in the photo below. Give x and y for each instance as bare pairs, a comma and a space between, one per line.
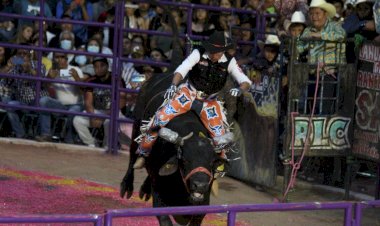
196, 160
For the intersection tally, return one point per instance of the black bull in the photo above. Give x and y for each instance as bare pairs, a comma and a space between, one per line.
191, 184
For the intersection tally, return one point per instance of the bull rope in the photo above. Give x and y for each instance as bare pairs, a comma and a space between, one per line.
296, 165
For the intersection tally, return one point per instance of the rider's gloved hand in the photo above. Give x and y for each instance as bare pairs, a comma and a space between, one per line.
235, 92
170, 92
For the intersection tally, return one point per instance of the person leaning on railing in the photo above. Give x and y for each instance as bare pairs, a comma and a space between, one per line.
323, 31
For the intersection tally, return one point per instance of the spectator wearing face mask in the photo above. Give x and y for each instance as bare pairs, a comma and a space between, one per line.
64, 26
66, 42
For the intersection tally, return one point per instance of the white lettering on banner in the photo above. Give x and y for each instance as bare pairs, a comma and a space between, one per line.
367, 116
370, 52
376, 67
325, 133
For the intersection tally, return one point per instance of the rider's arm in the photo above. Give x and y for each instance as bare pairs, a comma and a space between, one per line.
238, 75
187, 65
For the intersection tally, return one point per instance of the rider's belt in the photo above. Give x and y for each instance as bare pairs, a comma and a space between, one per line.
202, 95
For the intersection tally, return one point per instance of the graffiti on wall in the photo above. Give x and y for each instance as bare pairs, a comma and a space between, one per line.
326, 133
367, 104
265, 94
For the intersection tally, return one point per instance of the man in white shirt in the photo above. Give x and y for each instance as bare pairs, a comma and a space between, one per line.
67, 97
207, 69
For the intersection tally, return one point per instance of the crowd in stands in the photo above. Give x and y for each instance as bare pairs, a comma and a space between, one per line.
334, 20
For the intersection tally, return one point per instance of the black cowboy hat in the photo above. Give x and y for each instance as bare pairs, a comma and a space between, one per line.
216, 43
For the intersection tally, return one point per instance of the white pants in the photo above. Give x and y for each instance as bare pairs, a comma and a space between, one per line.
82, 126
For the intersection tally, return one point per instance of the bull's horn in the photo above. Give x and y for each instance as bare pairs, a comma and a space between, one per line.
168, 135
215, 188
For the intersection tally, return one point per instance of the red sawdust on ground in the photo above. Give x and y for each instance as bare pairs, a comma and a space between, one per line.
25, 193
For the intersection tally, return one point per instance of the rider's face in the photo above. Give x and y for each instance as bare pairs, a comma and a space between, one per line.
214, 57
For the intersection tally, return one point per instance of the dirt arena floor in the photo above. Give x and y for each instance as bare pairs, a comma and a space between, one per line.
74, 161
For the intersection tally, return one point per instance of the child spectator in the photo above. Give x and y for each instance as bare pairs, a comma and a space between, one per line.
297, 24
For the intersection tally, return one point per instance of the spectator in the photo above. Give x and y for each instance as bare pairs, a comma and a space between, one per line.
130, 69
66, 42
7, 25
4, 56
164, 42
4, 86
245, 51
130, 19
264, 68
144, 15
104, 49
67, 97
24, 34
339, 6
155, 23
359, 23
296, 25
78, 10
98, 101
201, 24
225, 4
106, 33
55, 42
323, 29
49, 35
286, 8
349, 7
138, 40
158, 55
30, 8
22, 91
251, 5
127, 43
101, 6
45, 60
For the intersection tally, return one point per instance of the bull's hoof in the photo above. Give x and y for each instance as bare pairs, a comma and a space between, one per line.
124, 188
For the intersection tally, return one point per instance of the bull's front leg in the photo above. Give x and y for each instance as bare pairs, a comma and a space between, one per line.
126, 185
146, 189
157, 202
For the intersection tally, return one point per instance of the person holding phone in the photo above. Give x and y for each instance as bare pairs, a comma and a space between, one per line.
64, 96
21, 91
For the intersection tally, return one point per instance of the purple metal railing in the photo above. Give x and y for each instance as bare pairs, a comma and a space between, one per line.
232, 210
96, 219
105, 219
359, 210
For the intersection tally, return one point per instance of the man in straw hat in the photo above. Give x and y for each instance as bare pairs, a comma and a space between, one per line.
324, 29
207, 70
